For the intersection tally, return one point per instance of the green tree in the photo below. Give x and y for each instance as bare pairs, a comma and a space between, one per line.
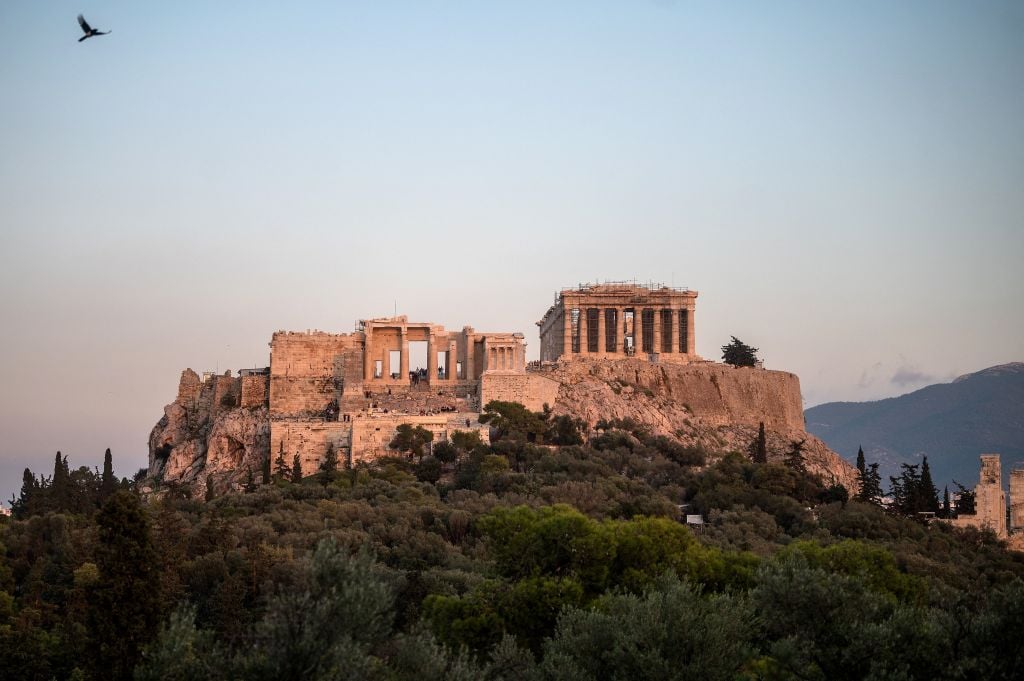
795, 456
625, 636
30, 501
210, 494
329, 466
514, 421
412, 440
759, 447
860, 461
61, 496
928, 494
326, 626
125, 604
739, 354
964, 500
870, 486
281, 468
108, 483
296, 469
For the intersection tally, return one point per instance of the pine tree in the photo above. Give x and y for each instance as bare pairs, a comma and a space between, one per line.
108, 483
860, 461
329, 466
870, 486
739, 354
281, 468
759, 447
795, 456
296, 469
30, 501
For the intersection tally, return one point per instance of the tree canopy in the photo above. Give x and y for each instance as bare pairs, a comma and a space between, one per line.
739, 354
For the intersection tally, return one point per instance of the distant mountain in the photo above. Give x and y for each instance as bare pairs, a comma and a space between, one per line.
951, 423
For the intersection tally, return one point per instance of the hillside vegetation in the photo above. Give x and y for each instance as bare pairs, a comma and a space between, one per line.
540, 556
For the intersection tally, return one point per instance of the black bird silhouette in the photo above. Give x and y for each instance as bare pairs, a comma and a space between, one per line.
89, 30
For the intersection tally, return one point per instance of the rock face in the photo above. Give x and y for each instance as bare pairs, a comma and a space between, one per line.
219, 426
715, 406
205, 433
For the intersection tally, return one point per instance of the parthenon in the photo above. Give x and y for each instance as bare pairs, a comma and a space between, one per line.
620, 319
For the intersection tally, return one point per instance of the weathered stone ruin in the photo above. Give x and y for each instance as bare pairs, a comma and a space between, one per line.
615, 320
350, 391
990, 510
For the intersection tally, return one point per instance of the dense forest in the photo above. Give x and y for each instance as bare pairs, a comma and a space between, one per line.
556, 552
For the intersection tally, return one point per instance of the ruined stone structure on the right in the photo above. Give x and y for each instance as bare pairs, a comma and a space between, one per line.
613, 320
990, 499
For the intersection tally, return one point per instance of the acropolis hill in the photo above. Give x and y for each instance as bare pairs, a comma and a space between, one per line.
607, 351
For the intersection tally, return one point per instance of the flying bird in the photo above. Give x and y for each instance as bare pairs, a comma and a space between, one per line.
89, 30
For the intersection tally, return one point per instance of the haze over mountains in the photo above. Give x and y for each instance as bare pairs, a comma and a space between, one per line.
952, 423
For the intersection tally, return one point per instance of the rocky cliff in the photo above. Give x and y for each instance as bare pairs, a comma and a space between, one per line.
715, 406
213, 429
205, 432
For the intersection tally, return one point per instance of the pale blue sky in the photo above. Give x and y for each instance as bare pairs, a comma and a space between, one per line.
843, 182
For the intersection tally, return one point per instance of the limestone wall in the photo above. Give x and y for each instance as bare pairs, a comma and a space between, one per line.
309, 439
254, 391
371, 435
531, 390
308, 370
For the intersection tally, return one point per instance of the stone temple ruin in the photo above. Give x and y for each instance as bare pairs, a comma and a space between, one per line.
990, 503
350, 391
607, 321
611, 350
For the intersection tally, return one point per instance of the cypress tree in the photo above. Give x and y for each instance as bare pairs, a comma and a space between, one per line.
296, 469
210, 495
60, 486
860, 461
266, 470
108, 483
946, 508
759, 447
929, 496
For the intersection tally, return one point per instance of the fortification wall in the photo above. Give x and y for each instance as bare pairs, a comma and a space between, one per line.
531, 390
308, 370
371, 435
255, 391
309, 439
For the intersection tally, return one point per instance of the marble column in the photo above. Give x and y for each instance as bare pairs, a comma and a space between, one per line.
656, 318
602, 333
638, 330
404, 361
431, 359
367, 356
675, 330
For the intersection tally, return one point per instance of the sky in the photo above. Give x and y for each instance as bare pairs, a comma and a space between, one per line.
842, 182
